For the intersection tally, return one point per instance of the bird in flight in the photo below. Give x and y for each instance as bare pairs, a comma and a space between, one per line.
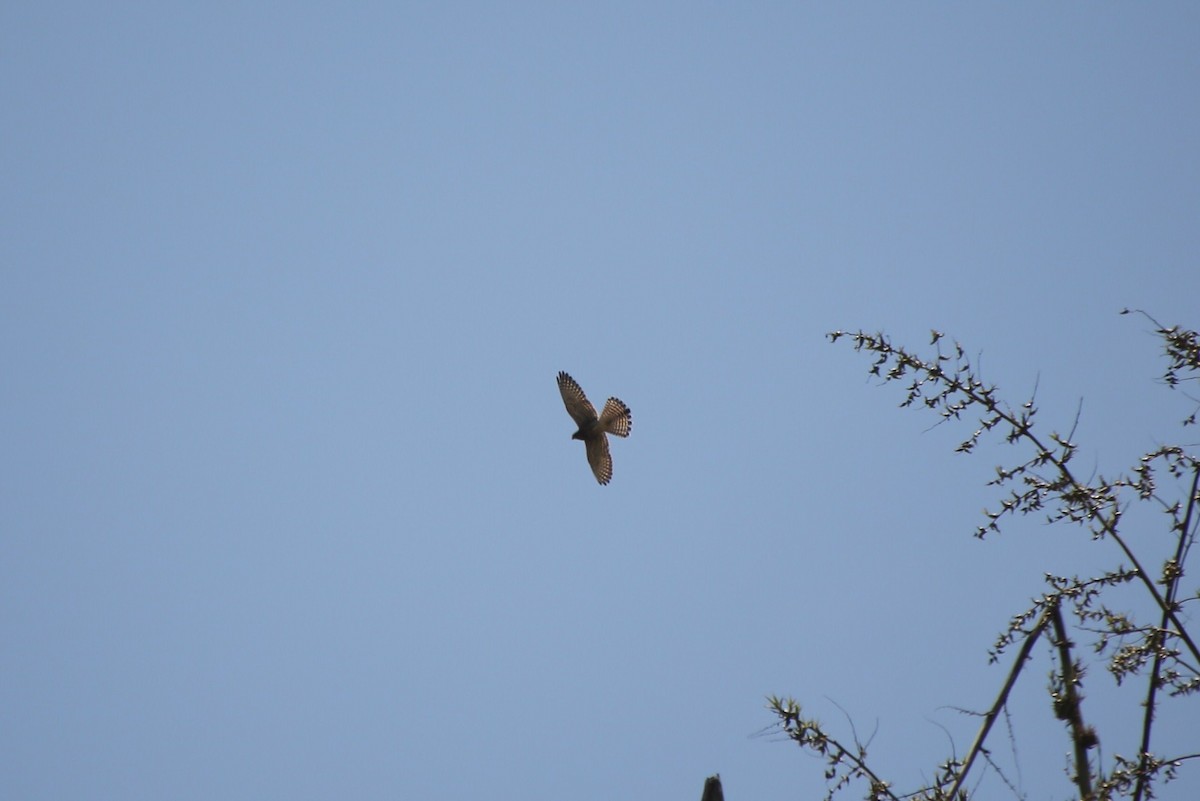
615, 419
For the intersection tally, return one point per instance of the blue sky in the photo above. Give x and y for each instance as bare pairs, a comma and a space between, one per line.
288, 503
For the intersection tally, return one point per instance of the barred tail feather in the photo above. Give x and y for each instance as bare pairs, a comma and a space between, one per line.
616, 418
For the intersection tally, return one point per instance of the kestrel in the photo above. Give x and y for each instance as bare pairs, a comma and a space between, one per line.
615, 419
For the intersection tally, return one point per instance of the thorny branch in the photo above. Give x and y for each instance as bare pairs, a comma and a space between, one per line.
1067, 703
1173, 577
962, 388
998, 705
950, 385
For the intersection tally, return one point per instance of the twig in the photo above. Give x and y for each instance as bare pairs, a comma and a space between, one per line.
1156, 667
1001, 701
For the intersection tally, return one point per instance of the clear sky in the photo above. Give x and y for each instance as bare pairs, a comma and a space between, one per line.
288, 503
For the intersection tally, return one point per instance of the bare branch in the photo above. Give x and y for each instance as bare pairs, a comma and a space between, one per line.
998, 705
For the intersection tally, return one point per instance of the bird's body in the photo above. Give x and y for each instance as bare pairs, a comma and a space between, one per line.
594, 428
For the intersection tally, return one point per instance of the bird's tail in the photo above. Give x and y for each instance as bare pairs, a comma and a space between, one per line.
616, 418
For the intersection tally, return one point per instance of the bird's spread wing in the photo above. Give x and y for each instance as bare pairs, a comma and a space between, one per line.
578, 406
616, 418
598, 458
